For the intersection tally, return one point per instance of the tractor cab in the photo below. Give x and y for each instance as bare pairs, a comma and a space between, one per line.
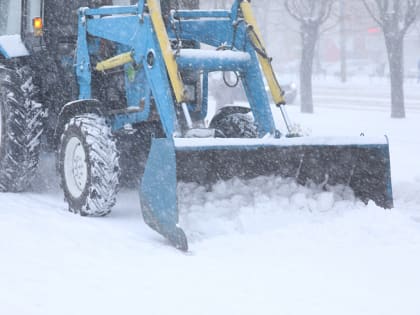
21, 27
28, 26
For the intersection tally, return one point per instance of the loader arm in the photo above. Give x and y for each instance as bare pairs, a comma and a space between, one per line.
165, 47
257, 41
144, 53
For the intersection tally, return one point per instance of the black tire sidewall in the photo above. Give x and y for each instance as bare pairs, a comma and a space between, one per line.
22, 128
3, 131
228, 125
5, 116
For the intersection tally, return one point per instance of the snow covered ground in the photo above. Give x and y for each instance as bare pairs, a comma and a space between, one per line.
261, 247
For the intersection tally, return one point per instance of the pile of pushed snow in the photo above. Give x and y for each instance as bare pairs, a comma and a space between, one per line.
256, 206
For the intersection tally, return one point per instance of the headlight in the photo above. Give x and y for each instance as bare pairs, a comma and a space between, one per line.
38, 26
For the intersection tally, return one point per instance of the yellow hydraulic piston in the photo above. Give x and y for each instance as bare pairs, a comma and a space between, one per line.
115, 62
257, 41
165, 46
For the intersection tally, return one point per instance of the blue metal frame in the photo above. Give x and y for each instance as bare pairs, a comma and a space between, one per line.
130, 28
148, 80
3, 53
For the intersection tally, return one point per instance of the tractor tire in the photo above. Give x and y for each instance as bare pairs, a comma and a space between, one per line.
21, 127
88, 163
235, 125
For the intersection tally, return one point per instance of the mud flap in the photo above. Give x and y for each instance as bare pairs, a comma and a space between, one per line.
360, 163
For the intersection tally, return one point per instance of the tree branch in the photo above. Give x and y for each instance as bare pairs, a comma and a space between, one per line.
370, 11
327, 11
412, 13
292, 13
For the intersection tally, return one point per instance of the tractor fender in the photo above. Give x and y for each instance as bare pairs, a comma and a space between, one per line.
74, 108
228, 110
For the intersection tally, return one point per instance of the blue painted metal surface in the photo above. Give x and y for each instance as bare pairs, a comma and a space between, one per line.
159, 82
140, 6
198, 14
127, 29
133, 33
83, 71
158, 195
213, 61
252, 81
3, 52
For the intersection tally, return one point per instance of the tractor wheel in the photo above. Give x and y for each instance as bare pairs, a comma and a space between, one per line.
88, 165
235, 125
21, 127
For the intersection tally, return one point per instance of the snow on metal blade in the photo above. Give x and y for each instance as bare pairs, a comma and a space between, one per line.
300, 141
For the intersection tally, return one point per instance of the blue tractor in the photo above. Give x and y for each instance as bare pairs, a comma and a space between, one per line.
120, 89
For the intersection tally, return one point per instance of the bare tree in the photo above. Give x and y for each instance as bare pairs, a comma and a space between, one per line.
310, 14
394, 17
343, 41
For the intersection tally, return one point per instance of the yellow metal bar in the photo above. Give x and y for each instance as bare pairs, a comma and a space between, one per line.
114, 62
270, 76
165, 46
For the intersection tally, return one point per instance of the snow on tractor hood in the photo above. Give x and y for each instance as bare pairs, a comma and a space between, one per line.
11, 46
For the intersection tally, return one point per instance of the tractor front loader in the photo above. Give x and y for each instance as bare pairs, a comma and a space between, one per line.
142, 74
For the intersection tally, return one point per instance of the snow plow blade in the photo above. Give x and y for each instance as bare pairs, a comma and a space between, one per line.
361, 163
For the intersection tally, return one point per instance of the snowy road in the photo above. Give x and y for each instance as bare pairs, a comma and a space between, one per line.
265, 259
261, 247
368, 94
